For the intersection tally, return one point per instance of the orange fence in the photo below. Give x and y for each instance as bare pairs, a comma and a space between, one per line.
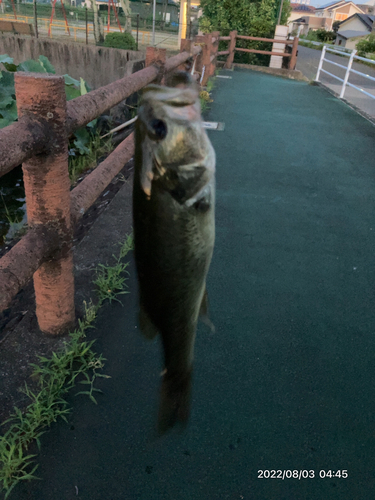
39, 140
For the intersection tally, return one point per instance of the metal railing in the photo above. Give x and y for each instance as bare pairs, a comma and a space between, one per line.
39, 140
348, 69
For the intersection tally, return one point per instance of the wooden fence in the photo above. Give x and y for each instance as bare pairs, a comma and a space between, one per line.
39, 140
233, 37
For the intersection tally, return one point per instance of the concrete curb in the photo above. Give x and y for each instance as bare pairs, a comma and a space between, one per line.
292, 74
355, 108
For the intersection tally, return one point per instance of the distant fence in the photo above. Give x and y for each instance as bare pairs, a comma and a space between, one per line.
39, 140
233, 37
77, 24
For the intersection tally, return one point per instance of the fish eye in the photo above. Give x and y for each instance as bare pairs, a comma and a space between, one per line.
158, 128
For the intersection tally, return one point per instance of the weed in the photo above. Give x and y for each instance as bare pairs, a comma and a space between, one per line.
80, 163
56, 376
110, 281
205, 99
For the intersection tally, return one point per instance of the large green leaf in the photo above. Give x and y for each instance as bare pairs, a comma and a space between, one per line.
71, 92
33, 66
4, 58
83, 139
83, 86
10, 67
7, 83
46, 64
5, 99
4, 122
71, 81
10, 112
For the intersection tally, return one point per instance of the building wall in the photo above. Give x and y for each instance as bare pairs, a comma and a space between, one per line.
352, 42
340, 40
354, 24
98, 66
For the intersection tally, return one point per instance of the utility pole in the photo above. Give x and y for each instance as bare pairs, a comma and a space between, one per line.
153, 24
35, 19
280, 11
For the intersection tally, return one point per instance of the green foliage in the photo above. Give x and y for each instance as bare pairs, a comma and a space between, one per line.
310, 45
120, 41
335, 26
366, 45
110, 281
85, 151
253, 18
56, 376
325, 36
73, 88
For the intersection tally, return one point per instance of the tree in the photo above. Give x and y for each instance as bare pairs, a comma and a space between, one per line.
98, 24
249, 17
335, 26
253, 18
125, 4
366, 45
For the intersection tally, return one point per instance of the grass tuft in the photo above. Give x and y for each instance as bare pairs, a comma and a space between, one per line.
56, 376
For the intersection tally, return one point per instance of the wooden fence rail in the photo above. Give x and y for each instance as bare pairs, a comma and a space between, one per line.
232, 48
39, 140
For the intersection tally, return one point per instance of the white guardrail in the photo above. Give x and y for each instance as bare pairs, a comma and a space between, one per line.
348, 68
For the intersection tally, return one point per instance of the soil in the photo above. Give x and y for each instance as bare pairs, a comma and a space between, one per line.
21, 342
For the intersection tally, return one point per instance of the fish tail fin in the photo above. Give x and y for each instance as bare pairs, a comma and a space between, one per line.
147, 327
175, 396
204, 312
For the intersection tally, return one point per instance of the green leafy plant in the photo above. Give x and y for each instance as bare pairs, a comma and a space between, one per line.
323, 35
110, 281
86, 152
8, 107
120, 41
366, 45
56, 376
255, 18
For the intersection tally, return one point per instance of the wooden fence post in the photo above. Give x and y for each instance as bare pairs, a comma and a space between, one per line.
232, 45
293, 58
206, 58
158, 57
47, 188
155, 56
185, 46
214, 50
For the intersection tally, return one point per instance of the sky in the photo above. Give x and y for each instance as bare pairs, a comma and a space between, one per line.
318, 3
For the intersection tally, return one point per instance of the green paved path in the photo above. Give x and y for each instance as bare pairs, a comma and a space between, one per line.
288, 380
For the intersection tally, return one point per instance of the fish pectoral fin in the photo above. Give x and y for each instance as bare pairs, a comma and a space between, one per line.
204, 312
147, 327
187, 183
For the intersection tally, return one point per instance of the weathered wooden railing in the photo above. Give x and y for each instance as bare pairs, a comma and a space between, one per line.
39, 140
233, 37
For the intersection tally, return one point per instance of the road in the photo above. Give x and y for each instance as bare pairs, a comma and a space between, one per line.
308, 62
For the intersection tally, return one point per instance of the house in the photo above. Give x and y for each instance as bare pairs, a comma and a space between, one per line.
336, 11
353, 29
297, 11
368, 7
302, 25
321, 17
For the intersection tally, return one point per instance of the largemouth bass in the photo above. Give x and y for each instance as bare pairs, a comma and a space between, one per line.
174, 231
